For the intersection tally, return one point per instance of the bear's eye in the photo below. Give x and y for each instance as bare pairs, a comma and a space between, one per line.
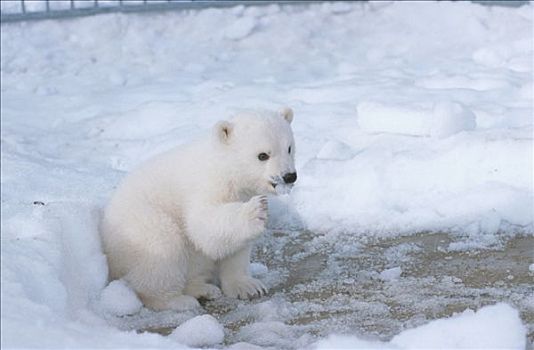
289, 149
263, 156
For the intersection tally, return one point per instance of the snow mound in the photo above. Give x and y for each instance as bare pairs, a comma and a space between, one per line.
119, 299
492, 327
442, 119
199, 331
497, 326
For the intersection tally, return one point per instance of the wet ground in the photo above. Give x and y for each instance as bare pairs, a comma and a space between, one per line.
333, 284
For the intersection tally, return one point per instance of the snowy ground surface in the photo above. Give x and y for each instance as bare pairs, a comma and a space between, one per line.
415, 194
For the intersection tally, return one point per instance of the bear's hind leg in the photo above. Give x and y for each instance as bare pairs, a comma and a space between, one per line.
199, 276
161, 289
178, 302
158, 260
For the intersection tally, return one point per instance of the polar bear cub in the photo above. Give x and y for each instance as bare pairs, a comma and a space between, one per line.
187, 218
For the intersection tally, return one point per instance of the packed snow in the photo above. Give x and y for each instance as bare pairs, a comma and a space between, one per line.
412, 119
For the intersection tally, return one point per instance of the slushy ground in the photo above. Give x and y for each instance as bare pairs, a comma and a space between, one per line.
340, 290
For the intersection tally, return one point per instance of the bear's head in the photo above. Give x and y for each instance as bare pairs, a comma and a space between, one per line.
259, 151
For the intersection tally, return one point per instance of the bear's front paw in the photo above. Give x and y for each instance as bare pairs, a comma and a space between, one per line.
257, 213
244, 288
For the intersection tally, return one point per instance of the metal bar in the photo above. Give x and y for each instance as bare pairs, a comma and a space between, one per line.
72, 4
47, 5
23, 6
151, 7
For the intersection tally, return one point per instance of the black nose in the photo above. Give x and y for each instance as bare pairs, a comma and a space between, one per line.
289, 178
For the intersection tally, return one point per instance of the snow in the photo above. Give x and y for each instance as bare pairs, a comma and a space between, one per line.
410, 117
241, 28
119, 299
335, 150
443, 119
258, 269
492, 327
497, 326
199, 331
390, 274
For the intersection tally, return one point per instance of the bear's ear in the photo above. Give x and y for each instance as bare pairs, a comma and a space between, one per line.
223, 130
287, 113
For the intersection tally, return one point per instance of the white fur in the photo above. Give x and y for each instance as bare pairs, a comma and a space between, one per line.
190, 215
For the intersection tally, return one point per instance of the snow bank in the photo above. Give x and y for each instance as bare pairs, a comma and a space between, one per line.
53, 272
492, 327
475, 185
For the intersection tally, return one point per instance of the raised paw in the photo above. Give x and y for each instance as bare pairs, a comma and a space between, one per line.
203, 290
244, 288
257, 211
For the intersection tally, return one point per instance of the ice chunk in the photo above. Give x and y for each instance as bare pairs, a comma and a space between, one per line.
391, 274
119, 299
376, 117
450, 118
199, 331
258, 269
